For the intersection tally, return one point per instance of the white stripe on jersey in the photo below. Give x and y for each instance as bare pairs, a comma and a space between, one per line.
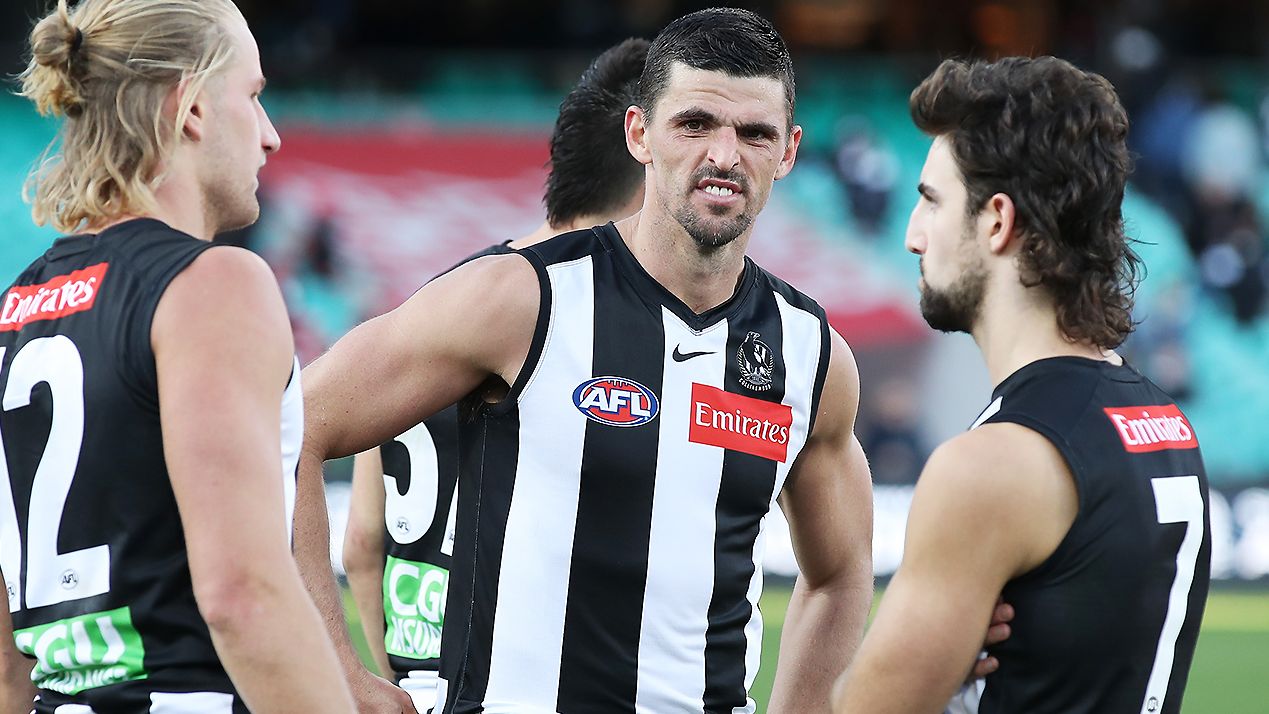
681, 546
528, 634
292, 438
801, 341
191, 703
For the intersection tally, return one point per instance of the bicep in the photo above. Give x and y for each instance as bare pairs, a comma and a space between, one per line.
395, 370
828, 496
222, 367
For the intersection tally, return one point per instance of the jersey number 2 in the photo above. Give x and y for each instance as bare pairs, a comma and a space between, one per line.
1177, 499
51, 577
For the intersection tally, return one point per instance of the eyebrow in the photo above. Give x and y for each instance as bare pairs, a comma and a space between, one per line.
702, 115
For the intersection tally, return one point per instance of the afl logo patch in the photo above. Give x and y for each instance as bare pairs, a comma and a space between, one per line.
756, 362
616, 401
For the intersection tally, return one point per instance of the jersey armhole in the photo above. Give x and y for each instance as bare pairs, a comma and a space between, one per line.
821, 372
1075, 467
138, 369
537, 345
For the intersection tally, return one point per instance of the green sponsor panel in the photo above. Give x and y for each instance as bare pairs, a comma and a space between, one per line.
413, 608
84, 652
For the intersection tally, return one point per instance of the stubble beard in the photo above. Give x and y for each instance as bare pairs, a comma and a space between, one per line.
711, 235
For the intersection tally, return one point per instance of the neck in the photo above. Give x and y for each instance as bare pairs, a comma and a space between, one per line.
703, 278
1014, 332
173, 206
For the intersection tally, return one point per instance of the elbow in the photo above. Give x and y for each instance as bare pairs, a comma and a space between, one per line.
233, 600
360, 557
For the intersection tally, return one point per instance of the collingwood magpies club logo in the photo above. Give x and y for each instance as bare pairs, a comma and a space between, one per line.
756, 362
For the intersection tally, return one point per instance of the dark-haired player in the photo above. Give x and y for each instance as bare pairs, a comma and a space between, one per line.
1079, 494
642, 395
398, 545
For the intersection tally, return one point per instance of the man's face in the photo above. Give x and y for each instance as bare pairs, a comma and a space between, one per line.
238, 136
953, 271
717, 143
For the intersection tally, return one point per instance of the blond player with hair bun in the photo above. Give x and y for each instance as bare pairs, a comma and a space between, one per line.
150, 402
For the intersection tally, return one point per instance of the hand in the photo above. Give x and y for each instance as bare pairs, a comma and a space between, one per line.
376, 695
998, 631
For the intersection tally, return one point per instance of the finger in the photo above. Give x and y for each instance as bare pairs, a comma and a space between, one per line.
984, 667
997, 634
1003, 612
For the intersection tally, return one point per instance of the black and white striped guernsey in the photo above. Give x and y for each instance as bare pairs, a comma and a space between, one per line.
611, 508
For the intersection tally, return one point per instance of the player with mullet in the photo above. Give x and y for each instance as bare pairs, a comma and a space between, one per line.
399, 541
151, 410
1079, 494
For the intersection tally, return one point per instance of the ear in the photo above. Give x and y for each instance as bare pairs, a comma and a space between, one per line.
790, 153
637, 135
194, 123
997, 218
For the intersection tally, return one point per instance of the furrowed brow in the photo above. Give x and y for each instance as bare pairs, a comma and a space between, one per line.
694, 114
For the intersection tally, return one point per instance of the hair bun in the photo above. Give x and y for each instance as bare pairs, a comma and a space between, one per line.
56, 49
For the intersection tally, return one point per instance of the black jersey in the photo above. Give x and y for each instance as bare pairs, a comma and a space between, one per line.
90, 539
420, 469
612, 508
1108, 623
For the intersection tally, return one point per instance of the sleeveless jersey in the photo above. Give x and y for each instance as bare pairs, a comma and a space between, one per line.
611, 508
91, 544
420, 475
1109, 622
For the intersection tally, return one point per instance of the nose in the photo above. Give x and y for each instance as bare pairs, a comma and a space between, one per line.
724, 149
269, 139
914, 237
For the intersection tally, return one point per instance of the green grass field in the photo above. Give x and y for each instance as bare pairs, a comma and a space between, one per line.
1230, 673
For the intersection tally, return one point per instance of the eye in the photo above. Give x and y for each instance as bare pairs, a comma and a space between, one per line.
694, 125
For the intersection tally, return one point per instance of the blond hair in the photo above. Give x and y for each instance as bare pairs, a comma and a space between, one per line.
107, 67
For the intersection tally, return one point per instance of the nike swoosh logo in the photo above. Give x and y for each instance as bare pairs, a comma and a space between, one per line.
681, 357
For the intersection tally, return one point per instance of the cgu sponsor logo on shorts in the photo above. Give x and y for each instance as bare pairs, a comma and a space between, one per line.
616, 401
740, 423
59, 297
84, 652
414, 608
1154, 428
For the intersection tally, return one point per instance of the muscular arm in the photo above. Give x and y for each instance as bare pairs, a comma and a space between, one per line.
991, 504
471, 324
223, 358
828, 501
363, 551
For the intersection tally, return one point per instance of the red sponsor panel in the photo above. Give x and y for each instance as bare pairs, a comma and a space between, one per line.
740, 423
1152, 428
59, 297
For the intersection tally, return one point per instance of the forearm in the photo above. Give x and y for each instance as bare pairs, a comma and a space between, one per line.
312, 555
277, 655
822, 630
366, 584
16, 689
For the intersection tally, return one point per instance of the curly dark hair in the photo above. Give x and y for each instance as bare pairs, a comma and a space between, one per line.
592, 172
1052, 138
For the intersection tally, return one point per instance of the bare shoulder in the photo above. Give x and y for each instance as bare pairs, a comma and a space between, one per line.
225, 294
1002, 475
225, 278
839, 401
